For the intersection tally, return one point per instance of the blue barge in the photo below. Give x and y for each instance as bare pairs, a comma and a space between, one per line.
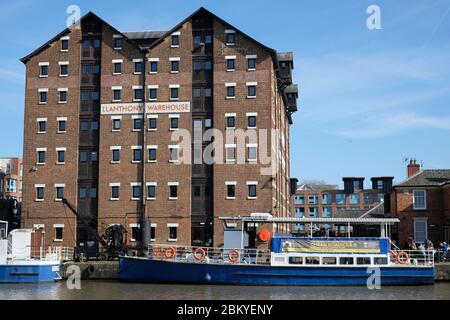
288, 261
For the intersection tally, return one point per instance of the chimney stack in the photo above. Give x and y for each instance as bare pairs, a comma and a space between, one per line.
413, 167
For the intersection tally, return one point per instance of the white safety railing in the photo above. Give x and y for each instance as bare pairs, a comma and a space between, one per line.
41, 254
412, 257
208, 255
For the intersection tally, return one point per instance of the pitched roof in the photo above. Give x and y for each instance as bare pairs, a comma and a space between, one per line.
427, 178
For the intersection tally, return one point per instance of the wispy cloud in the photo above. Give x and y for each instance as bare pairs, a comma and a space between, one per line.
12, 76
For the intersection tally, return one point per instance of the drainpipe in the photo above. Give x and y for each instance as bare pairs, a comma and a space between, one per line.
143, 225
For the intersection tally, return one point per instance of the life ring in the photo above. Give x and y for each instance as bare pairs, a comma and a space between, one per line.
234, 255
202, 255
170, 253
264, 235
402, 257
157, 251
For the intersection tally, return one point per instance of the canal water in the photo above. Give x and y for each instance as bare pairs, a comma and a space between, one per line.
115, 290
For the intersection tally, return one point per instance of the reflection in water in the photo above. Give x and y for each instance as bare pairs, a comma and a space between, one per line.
116, 290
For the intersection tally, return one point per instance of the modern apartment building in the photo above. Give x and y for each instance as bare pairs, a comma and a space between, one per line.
325, 201
11, 178
103, 109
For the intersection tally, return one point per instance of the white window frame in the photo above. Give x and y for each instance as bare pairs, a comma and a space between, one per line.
252, 183
226, 34
252, 145
39, 92
137, 60
230, 84
424, 200
38, 120
154, 86
251, 56
172, 225
112, 123
153, 225
230, 115
61, 149
59, 185
150, 60
420, 220
66, 90
252, 114
174, 86
151, 184
58, 119
132, 153
152, 116
152, 147
114, 88
60, 44
227, 146
63, 63
37, 152
171, 116
230, 183
39, 185
43, 64
117, 36
251, 84
169, 184
178, 33
133, 225
114, 184
137, 88
177, 147
175, 59
58, 226
137, 116
135, 184
112, 148
230, 58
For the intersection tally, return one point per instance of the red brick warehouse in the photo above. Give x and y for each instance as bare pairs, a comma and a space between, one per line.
101, 107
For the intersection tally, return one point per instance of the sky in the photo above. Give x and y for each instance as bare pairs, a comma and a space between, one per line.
369, 98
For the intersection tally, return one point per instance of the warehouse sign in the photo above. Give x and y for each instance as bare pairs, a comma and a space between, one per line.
150, 107
331, 246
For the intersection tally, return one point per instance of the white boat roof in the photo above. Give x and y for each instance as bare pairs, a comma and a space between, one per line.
379, 221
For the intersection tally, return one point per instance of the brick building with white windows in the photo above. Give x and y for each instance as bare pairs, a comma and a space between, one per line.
101, 110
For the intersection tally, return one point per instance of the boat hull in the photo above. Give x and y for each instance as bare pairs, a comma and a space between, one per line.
133, 269
30, 272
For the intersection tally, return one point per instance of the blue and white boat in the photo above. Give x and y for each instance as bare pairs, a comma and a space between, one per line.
20, 262
288, 261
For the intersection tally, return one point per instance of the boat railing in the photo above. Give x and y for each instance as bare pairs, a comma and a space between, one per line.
412, 257
208, 255
56, 253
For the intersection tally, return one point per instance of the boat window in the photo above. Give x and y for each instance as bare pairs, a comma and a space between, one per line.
329, 260
295, 260
380, 260
312, 260
363, 260
346, 260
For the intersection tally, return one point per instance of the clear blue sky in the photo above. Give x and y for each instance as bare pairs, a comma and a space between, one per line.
368, 98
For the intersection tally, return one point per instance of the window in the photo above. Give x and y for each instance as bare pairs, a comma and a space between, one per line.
368, 198
173, 232
43, 95
83, 156
82, 193
138, 94
151, 191
313, 199
208, 123
363, 260
64, 44
115, 191
197, 65
251, 62
116, 155
346, 260
118, 42
153, 93
173, 191
63, 69
231, 63
326, 212
84, 125
175, 66
94, 156
137, 124
312, 260
59, 231
175, 40
117, 68
40, 192
231, 190
251, 91
329, 260
251, 121
197, 39
152, 123
354, 198
231, 121
252, 152
84, 95
299, 199
313, 212
61, 125
59, 192
136, 191
116, 124
420, 230
299, 212
61, 156
134, 232
42, 125
174, 92
173, 122
230, 152
94, 125
62, 95
196, 191
173, 153
41, 156
251, 190
137, 154
379, 260
340, 198
43, 69
380, 197
326, 198
95, 95
153, 232
208, 39
208, 92
380, 184
231, 91
419, 200
153, 66
230, 37
138, 66
208, 65
116, 95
